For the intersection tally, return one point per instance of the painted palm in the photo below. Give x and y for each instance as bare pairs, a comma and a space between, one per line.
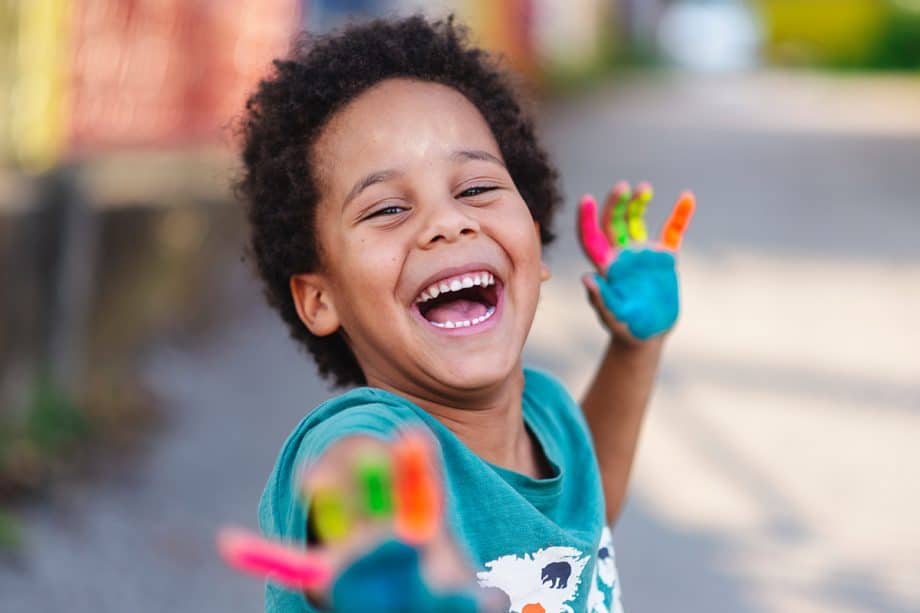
636, 278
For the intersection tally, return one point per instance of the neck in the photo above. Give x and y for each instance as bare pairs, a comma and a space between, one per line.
492, 425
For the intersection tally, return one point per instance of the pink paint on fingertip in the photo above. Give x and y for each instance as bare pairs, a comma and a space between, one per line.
593, 241
291, 568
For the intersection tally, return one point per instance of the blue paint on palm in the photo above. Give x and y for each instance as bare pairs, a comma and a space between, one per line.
640, 289
389, 579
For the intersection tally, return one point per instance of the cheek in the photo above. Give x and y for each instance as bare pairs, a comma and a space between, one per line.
370, 263
525, 238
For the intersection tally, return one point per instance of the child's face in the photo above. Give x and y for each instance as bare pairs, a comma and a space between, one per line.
415, 194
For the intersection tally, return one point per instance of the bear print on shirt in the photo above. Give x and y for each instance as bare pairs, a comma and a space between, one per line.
541, 582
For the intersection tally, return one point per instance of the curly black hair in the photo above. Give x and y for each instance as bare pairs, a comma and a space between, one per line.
288, 110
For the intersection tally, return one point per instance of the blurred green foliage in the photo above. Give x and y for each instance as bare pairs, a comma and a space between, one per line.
899, 42
10, 532
53, 421
34, 439
842, 34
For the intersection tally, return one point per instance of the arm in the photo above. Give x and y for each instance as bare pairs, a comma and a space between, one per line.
614, 407
635, 294
375, 515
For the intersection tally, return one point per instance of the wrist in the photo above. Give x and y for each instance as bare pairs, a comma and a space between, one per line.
630, 344
636, 351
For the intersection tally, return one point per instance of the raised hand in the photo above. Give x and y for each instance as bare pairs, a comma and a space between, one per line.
376, 509
635, 290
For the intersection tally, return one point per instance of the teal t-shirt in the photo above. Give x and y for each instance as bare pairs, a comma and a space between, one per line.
543, 542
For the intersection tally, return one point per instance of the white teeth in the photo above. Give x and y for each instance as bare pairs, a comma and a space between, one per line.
466, 323
482, 279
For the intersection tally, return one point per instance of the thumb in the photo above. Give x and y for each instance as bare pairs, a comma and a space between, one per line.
619, 328
589, 280
594, 293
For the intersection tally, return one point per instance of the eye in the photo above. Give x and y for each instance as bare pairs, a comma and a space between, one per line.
386, 211
477, 190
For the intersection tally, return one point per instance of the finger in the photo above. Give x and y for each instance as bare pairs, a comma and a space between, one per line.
334, 491
594, 294
614, 217
375, 476
418, 492
250, 553
592, 239
331, 513
636, 212
673, 232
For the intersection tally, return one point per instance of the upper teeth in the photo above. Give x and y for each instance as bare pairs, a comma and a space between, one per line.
455, 284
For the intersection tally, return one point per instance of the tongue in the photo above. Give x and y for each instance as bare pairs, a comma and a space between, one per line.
455, 310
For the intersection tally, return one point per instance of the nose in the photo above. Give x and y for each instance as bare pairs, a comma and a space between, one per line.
447, 221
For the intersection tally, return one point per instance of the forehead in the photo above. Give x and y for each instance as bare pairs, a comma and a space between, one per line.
399, 123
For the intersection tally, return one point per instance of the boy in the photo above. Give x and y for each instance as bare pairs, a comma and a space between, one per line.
398, 202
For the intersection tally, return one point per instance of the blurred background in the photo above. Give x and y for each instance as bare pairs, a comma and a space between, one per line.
145, 387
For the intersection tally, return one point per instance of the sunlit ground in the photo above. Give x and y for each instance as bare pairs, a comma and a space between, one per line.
777, 470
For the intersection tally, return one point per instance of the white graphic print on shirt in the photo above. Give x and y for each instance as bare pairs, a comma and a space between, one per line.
542, 581
605, 576
547, 581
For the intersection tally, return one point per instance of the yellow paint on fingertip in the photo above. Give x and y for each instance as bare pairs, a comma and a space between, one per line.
330, 514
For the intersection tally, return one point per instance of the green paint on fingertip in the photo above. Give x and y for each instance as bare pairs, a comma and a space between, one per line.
376, 477
618, 219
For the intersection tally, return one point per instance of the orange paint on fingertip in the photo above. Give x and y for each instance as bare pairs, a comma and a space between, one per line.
673, 232
418, 497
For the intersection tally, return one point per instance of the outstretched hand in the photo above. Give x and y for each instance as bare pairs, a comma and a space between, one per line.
376, 509
635, 289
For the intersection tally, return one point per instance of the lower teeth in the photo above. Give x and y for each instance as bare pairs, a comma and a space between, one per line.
467, 323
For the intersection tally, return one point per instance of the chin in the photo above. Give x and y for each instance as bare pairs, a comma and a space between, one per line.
474, 374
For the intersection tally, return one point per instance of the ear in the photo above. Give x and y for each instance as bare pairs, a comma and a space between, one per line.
314, 304
545, 273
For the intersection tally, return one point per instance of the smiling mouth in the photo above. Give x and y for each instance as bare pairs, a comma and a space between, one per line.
461, 301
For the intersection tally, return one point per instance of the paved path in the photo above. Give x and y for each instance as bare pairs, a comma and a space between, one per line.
778, 467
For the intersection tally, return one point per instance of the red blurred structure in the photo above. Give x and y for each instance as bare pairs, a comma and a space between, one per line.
155, 73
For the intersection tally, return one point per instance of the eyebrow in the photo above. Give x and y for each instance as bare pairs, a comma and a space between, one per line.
476, 154
372, 179
385, 175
